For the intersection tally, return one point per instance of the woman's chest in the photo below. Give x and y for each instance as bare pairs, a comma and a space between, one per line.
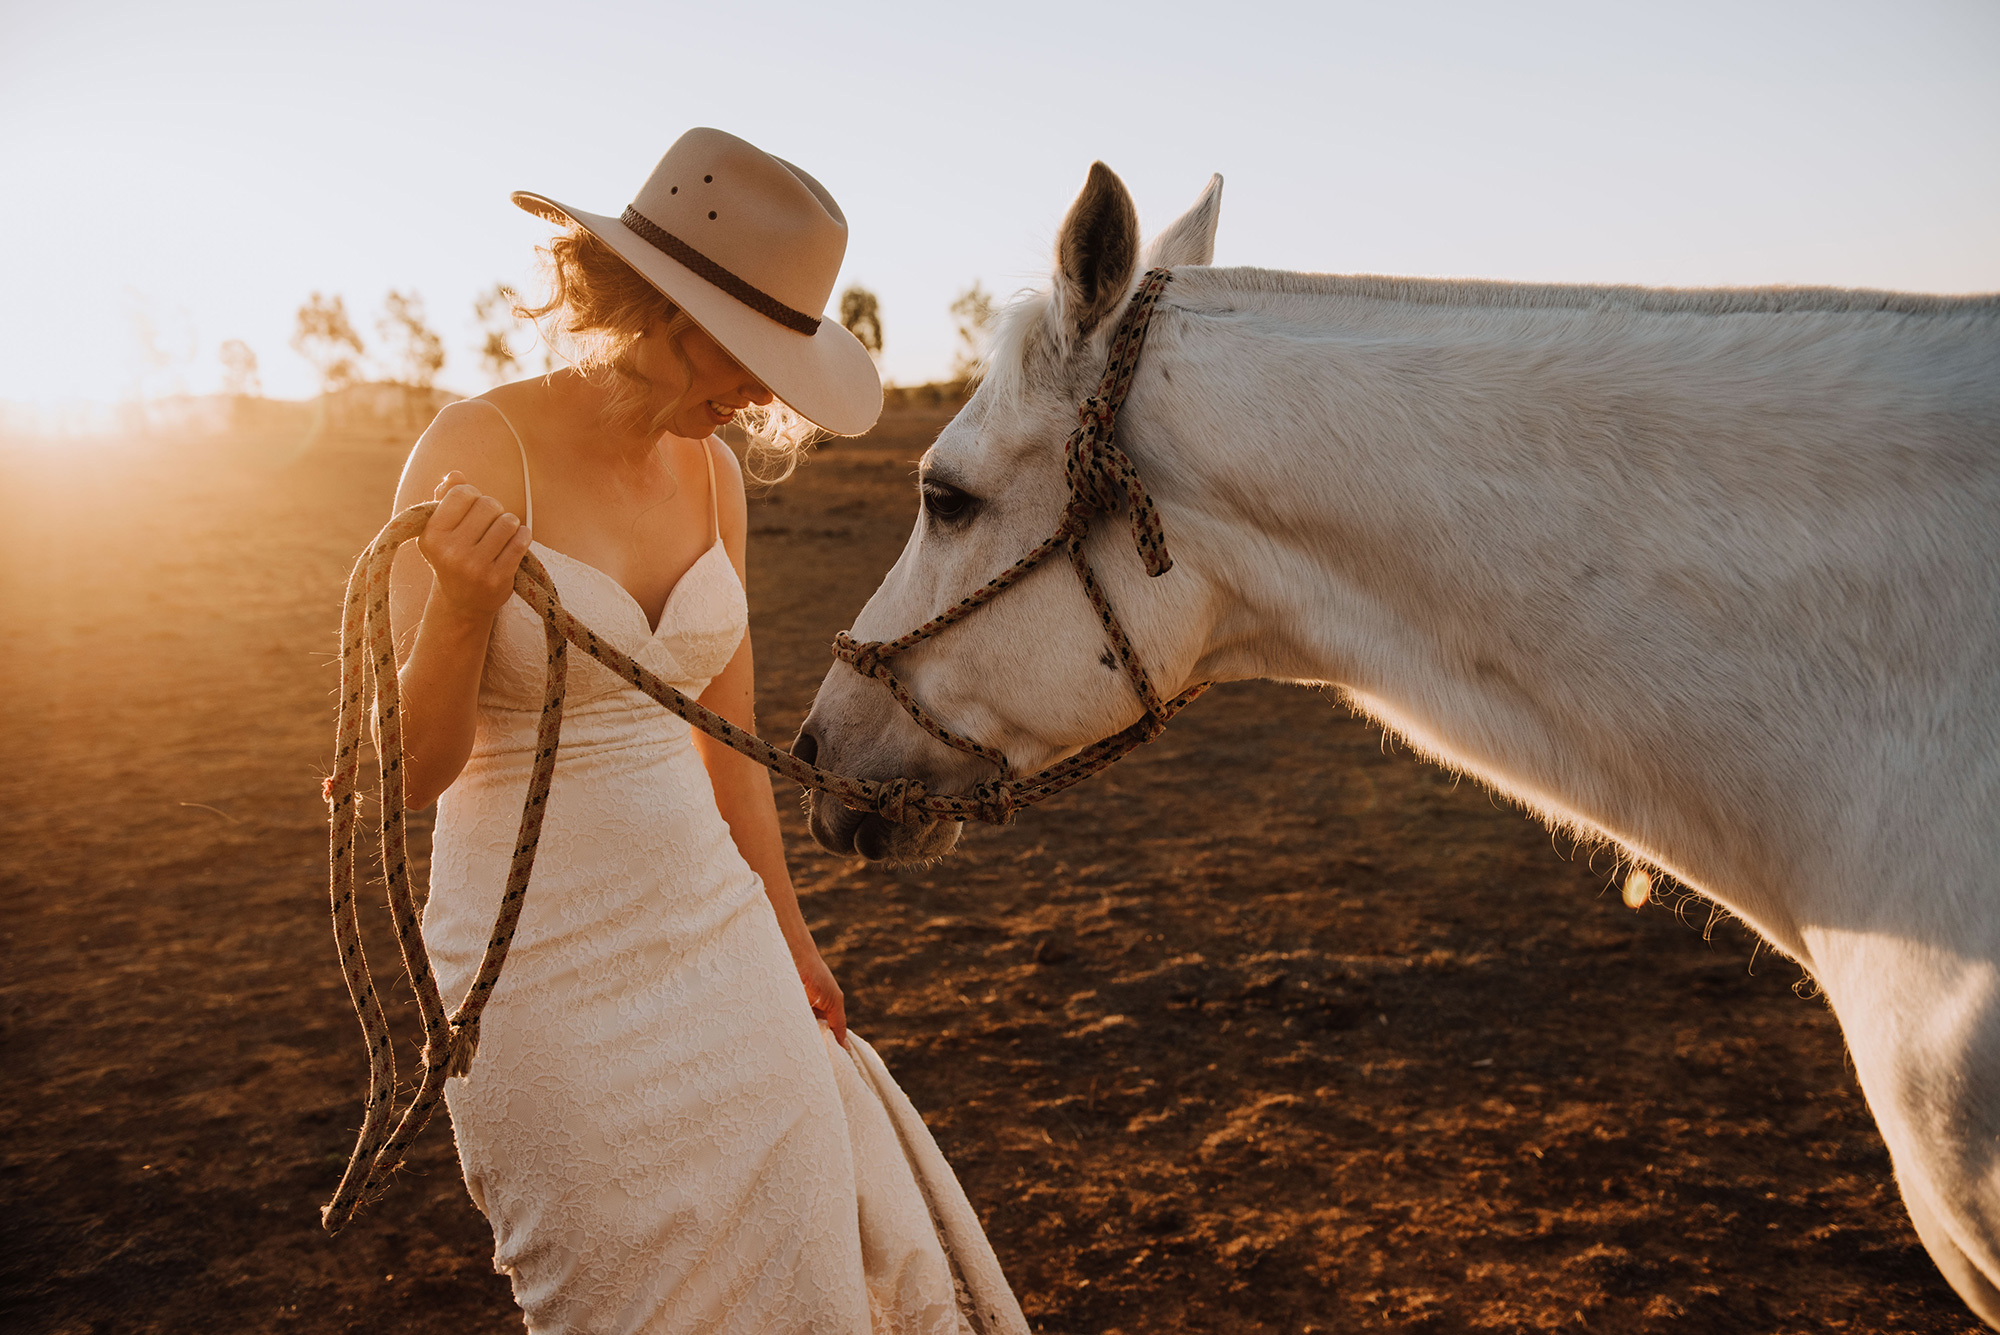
647, 555
702, 620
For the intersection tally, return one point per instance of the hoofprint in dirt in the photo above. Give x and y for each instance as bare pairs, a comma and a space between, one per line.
1319, 1042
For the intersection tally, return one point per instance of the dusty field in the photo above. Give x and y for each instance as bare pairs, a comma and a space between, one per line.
1325, 1042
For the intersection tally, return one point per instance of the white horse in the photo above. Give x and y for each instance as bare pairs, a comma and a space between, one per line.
1714, 575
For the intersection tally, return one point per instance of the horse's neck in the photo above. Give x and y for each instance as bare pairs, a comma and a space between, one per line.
1645, 573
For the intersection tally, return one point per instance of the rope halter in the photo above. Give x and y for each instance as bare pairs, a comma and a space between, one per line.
1101, 477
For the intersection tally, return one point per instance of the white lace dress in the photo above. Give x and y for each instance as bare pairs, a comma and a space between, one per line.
662, 1135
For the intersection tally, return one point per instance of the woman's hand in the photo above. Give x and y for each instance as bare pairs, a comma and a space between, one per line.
474, 546
823, 992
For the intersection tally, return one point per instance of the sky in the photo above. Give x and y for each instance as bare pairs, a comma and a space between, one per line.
175, 175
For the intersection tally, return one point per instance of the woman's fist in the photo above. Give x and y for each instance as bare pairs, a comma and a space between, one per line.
474, 547
824, 994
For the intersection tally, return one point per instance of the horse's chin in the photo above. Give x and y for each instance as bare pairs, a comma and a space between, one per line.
851, 833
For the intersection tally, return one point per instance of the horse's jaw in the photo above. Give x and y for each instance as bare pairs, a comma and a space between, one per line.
851, 833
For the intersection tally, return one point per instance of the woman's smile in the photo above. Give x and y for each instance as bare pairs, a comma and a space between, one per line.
716, 385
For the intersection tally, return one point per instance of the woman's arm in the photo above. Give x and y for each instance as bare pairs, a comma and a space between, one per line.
743, 787
442, 603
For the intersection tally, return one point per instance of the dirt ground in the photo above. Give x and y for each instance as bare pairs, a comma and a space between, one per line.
1271, 1028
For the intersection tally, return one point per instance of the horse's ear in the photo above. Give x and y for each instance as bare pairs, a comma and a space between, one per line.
1097, 250
1190, 238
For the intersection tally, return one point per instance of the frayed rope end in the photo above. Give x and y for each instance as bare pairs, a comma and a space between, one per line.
460, 1047
464, 1047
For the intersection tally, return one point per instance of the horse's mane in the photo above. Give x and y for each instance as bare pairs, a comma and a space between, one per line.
1028, 316
1472, 292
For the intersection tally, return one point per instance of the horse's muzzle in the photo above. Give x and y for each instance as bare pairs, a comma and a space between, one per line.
850, 833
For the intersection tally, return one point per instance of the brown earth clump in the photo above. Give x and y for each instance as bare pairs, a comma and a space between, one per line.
1271, 1028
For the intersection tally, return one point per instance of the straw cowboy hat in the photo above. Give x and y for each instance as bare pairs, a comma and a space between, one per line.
749, 246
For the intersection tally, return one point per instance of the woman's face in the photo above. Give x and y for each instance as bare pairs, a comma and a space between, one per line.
721, 386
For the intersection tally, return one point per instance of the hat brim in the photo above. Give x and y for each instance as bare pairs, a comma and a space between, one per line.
826, 377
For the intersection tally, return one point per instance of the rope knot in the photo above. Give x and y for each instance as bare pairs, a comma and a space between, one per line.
1092, 476
1075, 521
895, 801
996, 801
865, 658
460, 1046
1101, 478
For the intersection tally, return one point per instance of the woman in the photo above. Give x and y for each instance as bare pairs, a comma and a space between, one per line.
662, 1135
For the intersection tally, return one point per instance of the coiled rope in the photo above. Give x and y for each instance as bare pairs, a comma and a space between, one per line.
1100, 476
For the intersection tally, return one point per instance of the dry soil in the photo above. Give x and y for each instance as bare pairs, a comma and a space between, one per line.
1272, 1028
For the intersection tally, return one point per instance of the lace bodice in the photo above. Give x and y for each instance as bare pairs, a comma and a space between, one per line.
704, 619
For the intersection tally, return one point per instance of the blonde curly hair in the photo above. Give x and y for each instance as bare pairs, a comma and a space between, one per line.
597, 306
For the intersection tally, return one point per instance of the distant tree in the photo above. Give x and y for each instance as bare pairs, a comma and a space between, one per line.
239, 370
861, 316
499, 327
165, 344
494, 309
973, 314
325, 337
417, 350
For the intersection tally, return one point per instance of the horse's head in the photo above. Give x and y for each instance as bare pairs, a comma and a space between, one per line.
1030, 674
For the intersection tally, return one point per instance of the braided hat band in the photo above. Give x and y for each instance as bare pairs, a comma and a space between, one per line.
755, 298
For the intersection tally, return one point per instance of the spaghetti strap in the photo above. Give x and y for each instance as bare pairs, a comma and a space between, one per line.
528, 482
714, 506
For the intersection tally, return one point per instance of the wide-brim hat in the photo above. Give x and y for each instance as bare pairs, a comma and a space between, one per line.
749, 246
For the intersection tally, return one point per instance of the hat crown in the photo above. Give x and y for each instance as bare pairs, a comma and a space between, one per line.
756, 215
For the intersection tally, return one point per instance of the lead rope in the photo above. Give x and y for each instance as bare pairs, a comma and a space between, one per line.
1098, 472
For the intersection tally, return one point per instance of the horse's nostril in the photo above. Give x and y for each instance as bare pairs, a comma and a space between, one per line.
806, 747
871, 838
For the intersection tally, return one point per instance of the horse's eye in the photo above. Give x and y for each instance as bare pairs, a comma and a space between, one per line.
947, 504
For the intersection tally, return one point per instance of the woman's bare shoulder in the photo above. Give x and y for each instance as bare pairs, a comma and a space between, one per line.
473, 437
731, 506
728, 470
